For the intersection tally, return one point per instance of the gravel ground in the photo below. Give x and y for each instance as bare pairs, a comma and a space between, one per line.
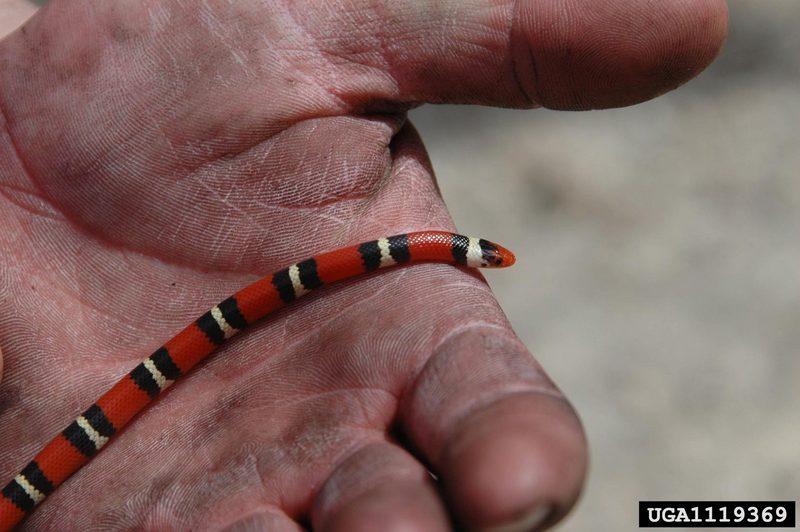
658, 275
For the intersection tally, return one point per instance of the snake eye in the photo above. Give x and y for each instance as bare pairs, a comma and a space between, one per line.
495, 255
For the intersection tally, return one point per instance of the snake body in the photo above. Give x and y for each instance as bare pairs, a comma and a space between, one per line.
85, 436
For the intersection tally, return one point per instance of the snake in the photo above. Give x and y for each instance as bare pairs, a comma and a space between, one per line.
75, 446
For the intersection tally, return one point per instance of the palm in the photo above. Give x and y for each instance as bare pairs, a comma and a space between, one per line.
188, 154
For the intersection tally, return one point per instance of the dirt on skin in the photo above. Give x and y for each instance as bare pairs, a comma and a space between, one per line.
657, 268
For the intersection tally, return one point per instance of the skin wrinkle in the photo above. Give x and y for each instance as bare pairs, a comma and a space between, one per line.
430, 369
300, 512
232, 115
15, 147
323, 300
365, 210
214, 246
87, 302
26, 206
84, 302
262, 336
165, 137
247, 149
326, 203
317, 204
386, 54
110, 243
141, 507
260, 519
153, 497
355, 490
172, 260
528, 89
454, 431
343, 104
283, 317
245, 466
484, 47
396, 169
311, 446
404, 396
348, 59
9, 397
298, 402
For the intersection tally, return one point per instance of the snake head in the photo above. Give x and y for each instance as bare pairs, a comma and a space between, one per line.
485, 254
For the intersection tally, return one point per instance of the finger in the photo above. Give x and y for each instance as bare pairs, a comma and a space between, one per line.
380, 487
269, 66
260, 521
612, 53
555, 53
13, 13
508, 448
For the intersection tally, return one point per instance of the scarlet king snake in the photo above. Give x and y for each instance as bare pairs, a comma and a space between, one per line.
85, 436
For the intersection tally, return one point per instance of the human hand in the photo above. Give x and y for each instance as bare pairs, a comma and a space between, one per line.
156, 156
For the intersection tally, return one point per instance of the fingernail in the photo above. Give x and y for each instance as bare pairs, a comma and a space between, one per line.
527, 522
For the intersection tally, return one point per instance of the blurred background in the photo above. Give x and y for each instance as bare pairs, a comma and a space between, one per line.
659, 266
658, 278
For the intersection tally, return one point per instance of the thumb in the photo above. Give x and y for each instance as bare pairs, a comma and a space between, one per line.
554, 53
